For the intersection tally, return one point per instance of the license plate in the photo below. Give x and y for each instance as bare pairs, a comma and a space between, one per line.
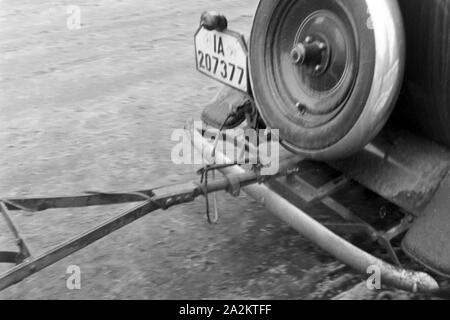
222, 56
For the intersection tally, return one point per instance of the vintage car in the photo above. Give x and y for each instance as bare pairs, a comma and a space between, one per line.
359, 94
361, 85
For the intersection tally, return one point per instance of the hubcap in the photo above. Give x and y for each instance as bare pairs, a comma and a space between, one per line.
316, 76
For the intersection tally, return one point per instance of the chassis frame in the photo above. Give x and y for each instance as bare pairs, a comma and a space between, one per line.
235, 179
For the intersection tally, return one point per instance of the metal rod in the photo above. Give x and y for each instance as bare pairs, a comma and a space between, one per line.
26, 269
320, 235
163, 198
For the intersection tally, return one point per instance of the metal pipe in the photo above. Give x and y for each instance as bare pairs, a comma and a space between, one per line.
341, 249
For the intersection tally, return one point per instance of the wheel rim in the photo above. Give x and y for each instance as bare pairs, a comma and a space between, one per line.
314, 90
313, 65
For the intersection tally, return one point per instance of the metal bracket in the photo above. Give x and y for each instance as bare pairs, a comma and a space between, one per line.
311, 195
150, 201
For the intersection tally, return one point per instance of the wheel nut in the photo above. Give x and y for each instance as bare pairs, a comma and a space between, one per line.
298, 54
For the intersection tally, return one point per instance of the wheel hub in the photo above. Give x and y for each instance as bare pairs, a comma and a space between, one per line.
312, 54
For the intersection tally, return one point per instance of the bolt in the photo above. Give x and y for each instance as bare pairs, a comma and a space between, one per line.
383, 212
301, 108
317, 69
374, 236
298, 54
308, 39
322, 46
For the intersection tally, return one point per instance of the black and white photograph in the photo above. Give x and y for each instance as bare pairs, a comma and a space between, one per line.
240, 152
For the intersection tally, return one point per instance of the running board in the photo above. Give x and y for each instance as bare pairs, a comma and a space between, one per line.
401, 167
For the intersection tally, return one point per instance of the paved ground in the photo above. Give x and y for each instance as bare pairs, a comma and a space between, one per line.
94, 109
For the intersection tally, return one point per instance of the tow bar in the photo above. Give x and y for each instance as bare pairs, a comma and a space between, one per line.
235, 178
